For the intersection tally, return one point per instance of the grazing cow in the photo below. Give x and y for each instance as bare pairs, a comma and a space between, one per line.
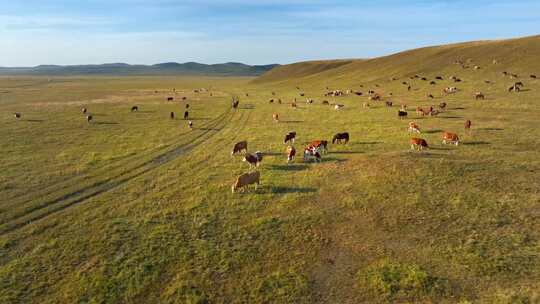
408, 88
172, 115
468, 124
404, 83
341, 138
439, 78
431, 96
186, 115
338, 107
247, 94
187, 105
418, 143
184, 98
365, 105
290, 137
514, 88
420, 111
271, 101
291, 152
235, 103
84, 110
533, 76
89, 118
487, 81
451, 138
403, 107
388, 103
293, 104
514, 76
302, 94
358, 93
190, 125
253, 159
442, 105
413, 127
312, 154
325, 102
450, 90
309, 101
134, 109
275, 117
433, 112
476, 67
432, 83
457, 80
239, 147
519, 84
424, 78
170, 98
247, 179
401, 114
279, 101
375, 97
479, 95
321, 145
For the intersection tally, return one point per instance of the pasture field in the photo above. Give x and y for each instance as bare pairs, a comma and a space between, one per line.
137, 208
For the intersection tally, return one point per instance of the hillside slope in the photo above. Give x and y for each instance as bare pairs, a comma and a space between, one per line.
519, 55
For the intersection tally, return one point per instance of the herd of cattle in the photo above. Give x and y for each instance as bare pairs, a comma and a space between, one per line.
316, 148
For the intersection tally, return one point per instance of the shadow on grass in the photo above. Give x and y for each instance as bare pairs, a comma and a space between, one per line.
145, 112
291, 121
346, 152
433, 131
450, 117
208, 129
198, 118
490, 129
34, 120
247, 106
106, 123
458, 108
369, 142
285, 190
291, 167
475, 143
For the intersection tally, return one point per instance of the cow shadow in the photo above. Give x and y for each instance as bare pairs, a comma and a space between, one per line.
105, 123
208, 129
34, 120
286, 190
369, 142
475, 143
490, 129
198, 118
291, 121
346, 152
247, 106
291, 167
145, 112
450, 117
433, 131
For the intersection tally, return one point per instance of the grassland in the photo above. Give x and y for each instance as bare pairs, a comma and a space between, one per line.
136, 208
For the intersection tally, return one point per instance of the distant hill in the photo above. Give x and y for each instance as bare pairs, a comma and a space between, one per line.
168, 68
520, 55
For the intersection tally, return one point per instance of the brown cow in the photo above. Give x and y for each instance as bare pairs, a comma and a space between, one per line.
275, 116
322, 145
413, 127
419, 143
290, 137
479, 95
442, 105
239, 147
291, 152
247, 179
451, 138
468, 124
253, 159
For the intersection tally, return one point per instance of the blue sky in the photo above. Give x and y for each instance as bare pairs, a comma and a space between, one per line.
36, 32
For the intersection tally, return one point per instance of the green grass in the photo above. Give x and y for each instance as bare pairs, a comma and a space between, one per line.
136, 208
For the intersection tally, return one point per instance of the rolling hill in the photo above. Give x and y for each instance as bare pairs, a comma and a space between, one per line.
169, 68
519, 55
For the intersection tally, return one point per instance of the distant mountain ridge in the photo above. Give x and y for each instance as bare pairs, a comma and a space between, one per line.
167, 68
